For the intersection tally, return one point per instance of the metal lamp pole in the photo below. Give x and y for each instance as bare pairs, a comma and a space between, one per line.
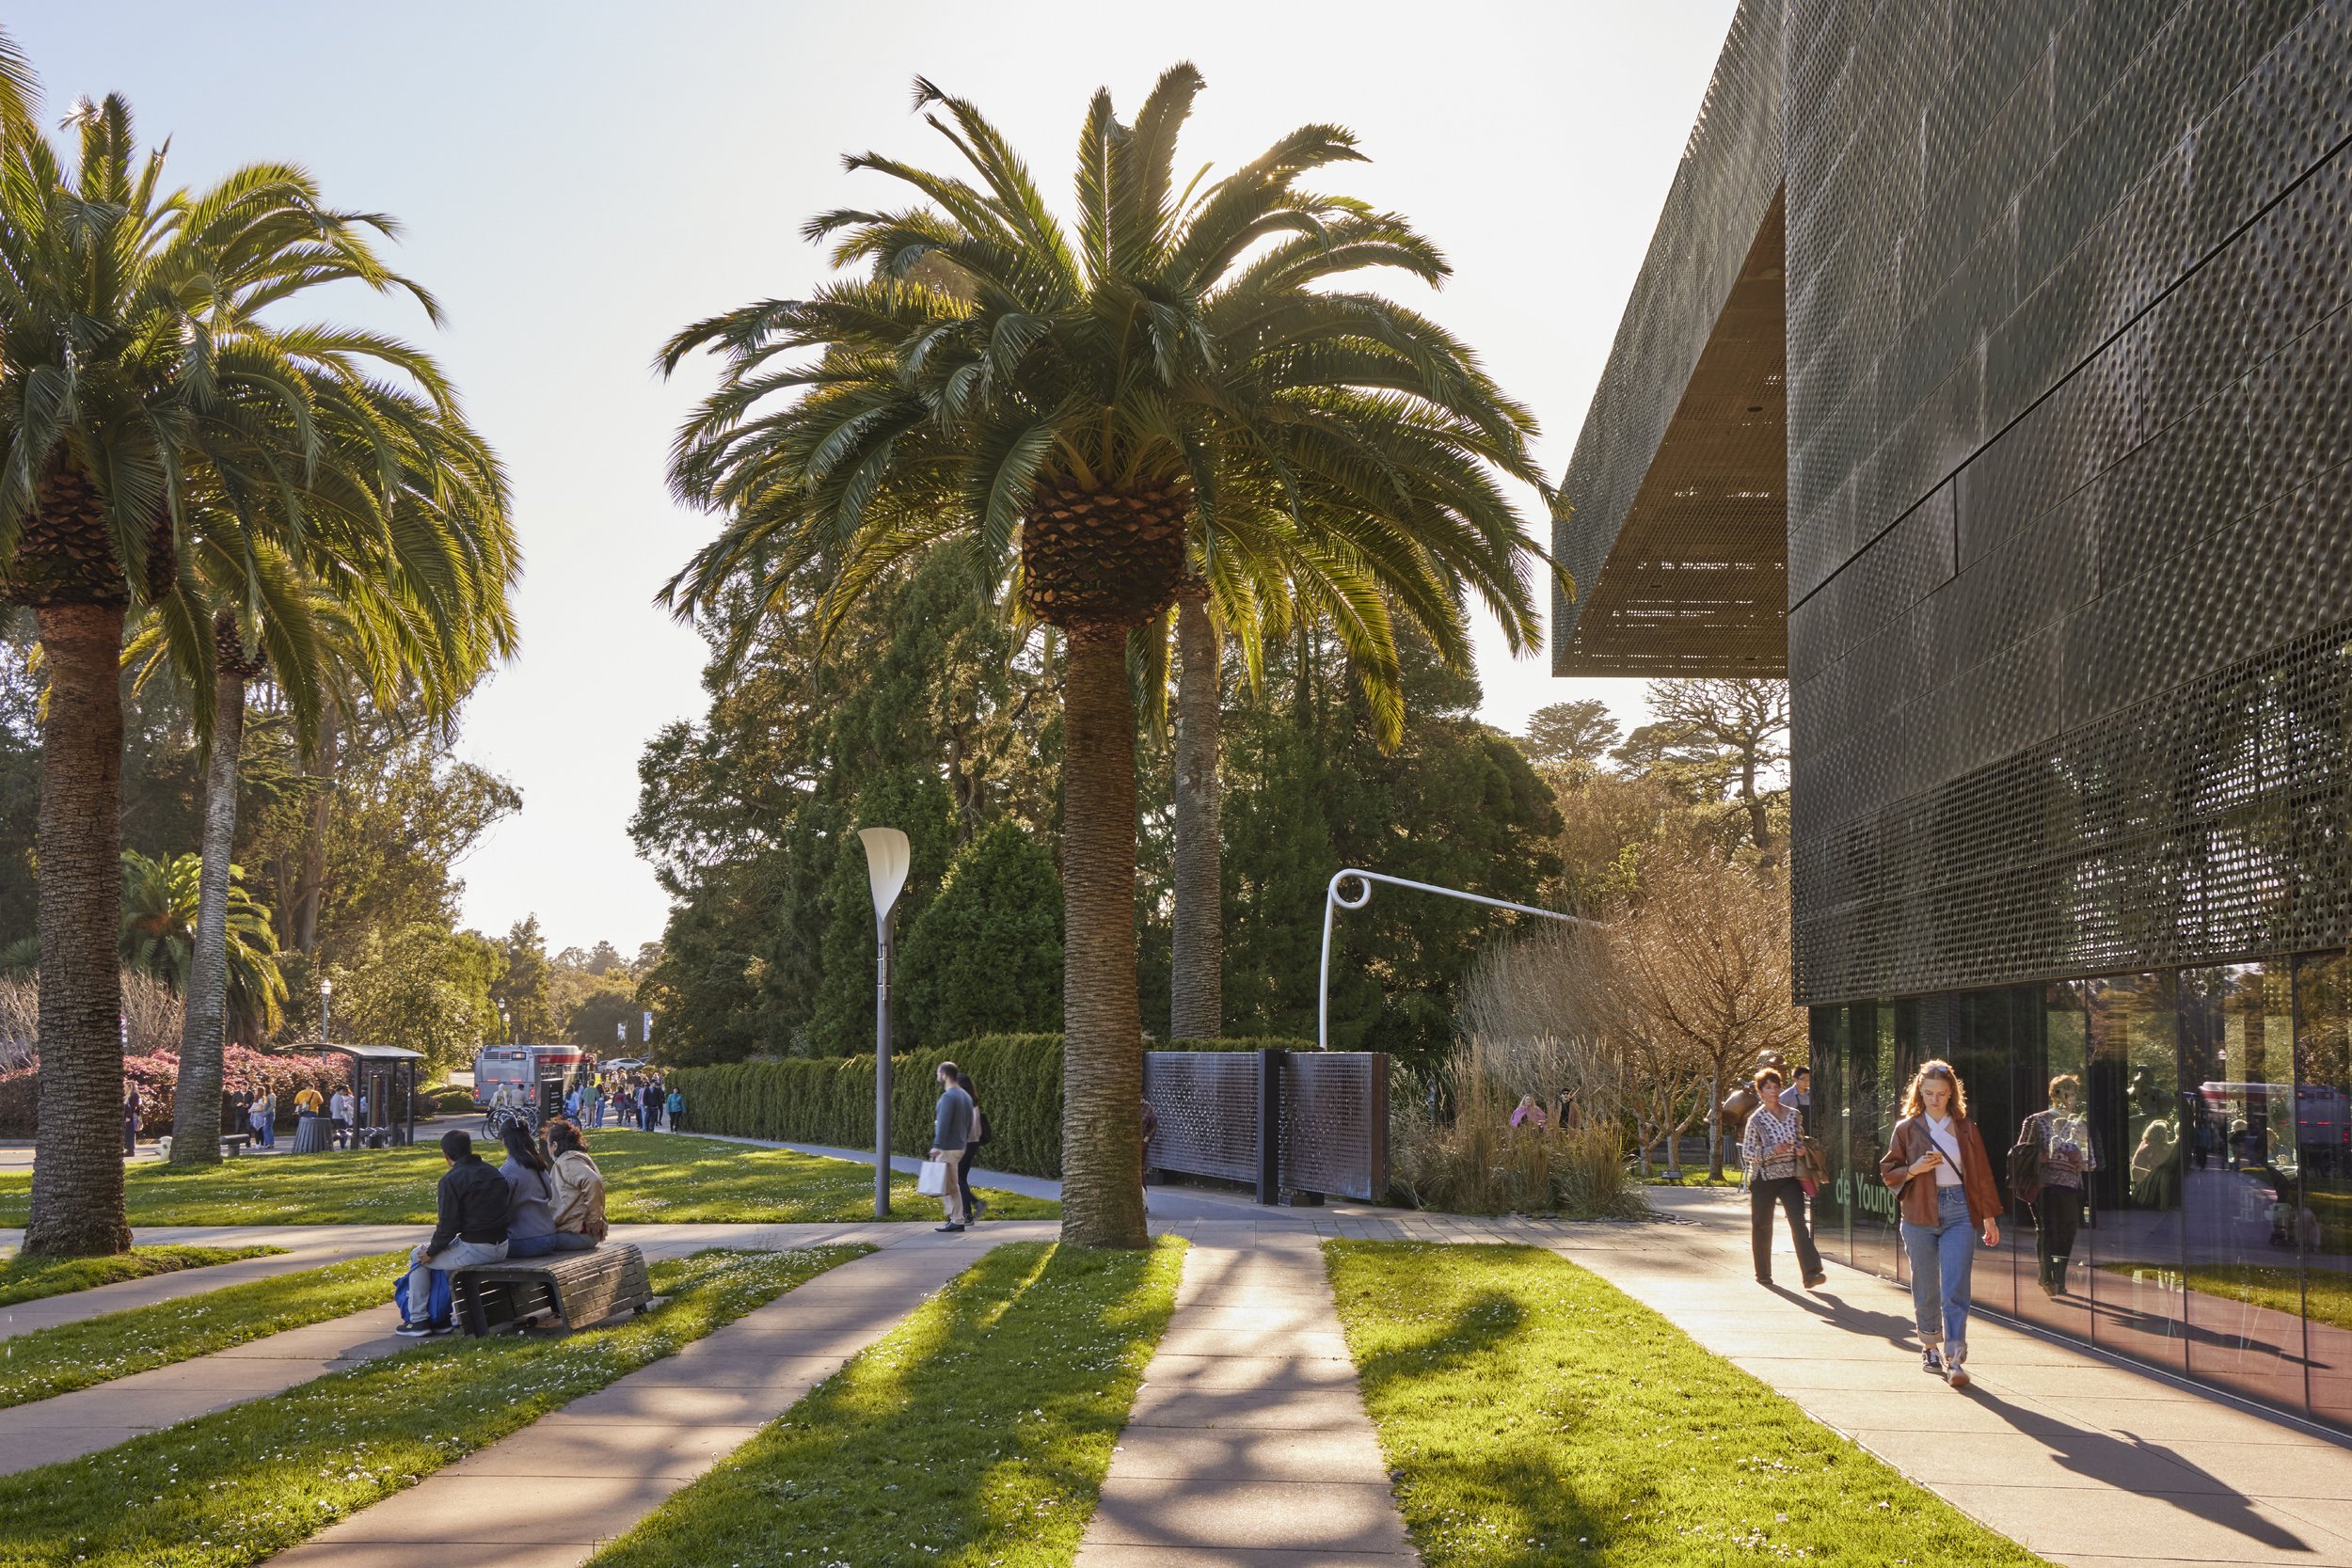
1333, 899
326, 990
887, 861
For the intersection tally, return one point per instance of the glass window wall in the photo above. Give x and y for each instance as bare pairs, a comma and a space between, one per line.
2056, 1240
2322, 1223
2240, 1181
2135, 1283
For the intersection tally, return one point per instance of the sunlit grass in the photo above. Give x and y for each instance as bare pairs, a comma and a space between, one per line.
246, 1482
650, 1177
50, 1361
1536, 1415
2277, 1289
976, 1432
31, 1279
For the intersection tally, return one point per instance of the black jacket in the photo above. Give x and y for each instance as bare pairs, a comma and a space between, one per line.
472, 1206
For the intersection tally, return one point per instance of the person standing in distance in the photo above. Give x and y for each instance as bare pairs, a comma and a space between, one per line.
951, 1129
1943, 1183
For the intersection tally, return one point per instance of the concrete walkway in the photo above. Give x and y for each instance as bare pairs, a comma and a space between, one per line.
2075, 1456
550, 1494
1249, 1441
304, 1250
49, 1431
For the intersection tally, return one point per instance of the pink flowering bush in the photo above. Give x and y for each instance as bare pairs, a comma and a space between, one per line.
155, 1076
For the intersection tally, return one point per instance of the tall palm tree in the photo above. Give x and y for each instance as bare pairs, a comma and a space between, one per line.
412, 611
143, 399
159, 935
1080, 405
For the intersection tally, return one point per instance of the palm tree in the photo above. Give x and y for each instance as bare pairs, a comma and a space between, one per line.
1082, 408
412, 612
160, 908
143, 399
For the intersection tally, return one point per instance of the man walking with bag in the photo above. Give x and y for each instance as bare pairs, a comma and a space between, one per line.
951, 1129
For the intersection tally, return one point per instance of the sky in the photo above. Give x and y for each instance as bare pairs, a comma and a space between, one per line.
577, 181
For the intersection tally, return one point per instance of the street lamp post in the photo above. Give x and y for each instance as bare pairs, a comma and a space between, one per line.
326, 990
886, 860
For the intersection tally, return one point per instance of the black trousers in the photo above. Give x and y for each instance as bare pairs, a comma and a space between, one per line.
2055, 1219
1785, 1192
963, 1176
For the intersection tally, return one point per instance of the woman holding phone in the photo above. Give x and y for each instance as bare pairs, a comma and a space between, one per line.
1943, 1183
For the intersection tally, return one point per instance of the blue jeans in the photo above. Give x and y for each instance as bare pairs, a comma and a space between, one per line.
554, 1240
1942, 1257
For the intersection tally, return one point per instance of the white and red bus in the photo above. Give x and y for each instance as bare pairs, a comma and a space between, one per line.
519, 1069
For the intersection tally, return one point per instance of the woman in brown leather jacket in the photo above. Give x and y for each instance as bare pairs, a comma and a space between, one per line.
1943, 1183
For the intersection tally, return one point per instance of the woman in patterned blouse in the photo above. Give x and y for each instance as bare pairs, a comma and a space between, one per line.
1768, 1150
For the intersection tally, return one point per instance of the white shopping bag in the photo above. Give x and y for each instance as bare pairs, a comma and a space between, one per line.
933, 1181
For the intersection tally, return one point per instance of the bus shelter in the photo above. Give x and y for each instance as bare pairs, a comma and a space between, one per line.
382, 1081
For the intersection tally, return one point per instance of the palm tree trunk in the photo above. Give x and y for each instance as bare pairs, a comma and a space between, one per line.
313, 887
1102, 1170
77, 1163
196, 1105
1196, 990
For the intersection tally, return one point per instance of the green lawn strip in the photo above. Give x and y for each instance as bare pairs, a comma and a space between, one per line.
242, 1483
51, 1361
976, 1432
31, 1279
1536, 1414
650, 1177
2329, 1300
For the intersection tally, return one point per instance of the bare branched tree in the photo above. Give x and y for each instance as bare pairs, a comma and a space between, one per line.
1701, 968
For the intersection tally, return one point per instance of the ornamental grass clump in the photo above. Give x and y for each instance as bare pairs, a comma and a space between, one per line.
1475, 1162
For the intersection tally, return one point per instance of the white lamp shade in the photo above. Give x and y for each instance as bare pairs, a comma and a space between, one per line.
886, 861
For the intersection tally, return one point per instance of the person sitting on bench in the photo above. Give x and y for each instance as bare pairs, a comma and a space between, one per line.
470, 1230
579, 1185
531, 1203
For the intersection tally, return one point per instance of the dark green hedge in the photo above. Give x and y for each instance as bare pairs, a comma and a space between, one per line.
832, 1100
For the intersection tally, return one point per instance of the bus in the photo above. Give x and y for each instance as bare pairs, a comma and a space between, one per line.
520, 1070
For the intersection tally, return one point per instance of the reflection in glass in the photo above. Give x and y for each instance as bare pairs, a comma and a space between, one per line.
2321, 1225
2056, 1291
1832, 1068
2240, 1186
2135, 1113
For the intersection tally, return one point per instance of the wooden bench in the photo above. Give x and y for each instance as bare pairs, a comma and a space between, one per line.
234, 1144
577, 1289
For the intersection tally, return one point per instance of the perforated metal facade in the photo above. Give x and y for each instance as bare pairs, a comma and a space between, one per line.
1674, 533
2063, 478
2070, 391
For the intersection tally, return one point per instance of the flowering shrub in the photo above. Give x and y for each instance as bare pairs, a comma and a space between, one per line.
243, 1071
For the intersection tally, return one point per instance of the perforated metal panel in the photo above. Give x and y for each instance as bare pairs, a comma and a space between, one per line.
1335, 1123
1207, 1106
2070, 409
1676, 525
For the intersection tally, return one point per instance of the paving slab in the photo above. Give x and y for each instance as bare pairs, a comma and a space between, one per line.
550, 1494
1248, 1444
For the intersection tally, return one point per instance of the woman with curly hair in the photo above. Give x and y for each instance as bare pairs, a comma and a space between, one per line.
1943, 1183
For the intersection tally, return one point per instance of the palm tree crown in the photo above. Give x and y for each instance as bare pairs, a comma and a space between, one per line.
990, 365
1173, 387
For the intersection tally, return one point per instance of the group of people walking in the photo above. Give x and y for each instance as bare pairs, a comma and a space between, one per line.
1942, 1177
546, 1197
632, 1099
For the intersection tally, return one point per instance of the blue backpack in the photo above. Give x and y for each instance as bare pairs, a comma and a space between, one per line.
438, 1298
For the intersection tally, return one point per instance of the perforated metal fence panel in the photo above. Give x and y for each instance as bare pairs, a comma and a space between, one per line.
1335, 1123
1206, 1103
